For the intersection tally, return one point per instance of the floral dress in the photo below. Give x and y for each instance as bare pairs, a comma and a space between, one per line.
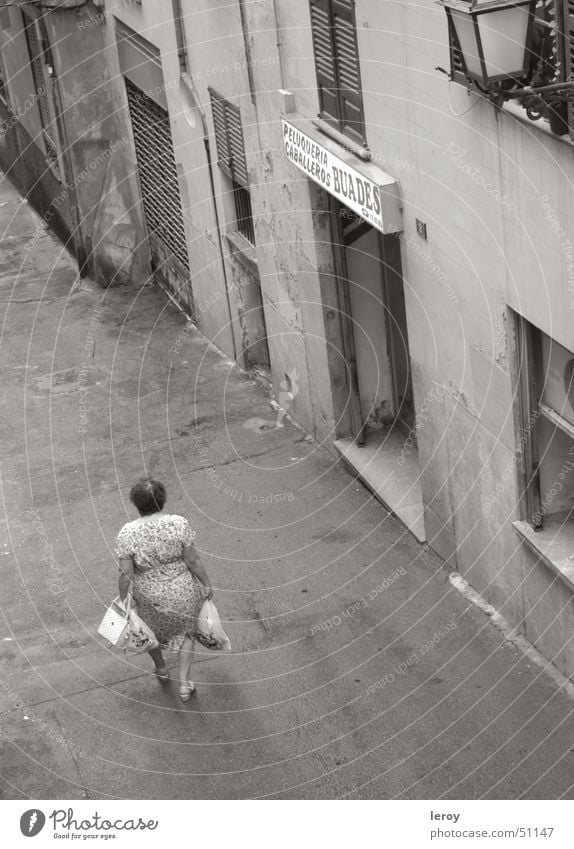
167, 595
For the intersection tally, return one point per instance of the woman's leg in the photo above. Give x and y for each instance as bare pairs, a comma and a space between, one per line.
185, 659
158, 658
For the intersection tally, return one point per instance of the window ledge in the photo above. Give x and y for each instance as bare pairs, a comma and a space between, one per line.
358, 149
242, 250
554, 544
541, 126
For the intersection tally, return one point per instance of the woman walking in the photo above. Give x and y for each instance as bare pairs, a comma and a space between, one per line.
169, 584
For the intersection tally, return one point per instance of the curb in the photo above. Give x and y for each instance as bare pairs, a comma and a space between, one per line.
511, 634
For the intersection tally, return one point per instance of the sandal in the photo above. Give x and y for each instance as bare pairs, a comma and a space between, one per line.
185, 693
162, 674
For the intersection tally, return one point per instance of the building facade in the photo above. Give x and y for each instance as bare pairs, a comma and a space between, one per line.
397, 253
61, 140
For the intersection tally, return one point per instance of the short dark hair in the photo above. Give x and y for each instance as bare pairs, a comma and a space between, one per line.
148, 495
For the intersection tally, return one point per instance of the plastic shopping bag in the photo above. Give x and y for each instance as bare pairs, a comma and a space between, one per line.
209, 631
140, 637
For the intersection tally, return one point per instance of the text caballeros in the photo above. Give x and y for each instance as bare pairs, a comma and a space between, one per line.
307, 155
344, 183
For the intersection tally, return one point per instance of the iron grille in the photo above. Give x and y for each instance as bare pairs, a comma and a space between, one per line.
243, 212
157, 172
41, 83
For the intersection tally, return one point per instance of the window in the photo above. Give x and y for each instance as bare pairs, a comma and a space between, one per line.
456, 66
546, 447
243, 212
337, 64
231, 159
552, 57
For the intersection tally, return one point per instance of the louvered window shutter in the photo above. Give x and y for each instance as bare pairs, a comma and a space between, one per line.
347, 63
220, 125
229, 139
337, 64
236, 146
568, 6
325, 59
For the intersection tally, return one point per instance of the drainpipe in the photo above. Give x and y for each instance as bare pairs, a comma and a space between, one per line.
187, 81
179, 35
279, 44
247, 50
248, 57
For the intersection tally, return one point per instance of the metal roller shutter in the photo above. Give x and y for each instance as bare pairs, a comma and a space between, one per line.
157, 172
42, 85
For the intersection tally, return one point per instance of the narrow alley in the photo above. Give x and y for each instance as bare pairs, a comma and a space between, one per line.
357, 670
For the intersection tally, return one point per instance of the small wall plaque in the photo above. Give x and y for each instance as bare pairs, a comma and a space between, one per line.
421, 228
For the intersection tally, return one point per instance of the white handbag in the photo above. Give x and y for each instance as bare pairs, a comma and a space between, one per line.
124, 629
114, 625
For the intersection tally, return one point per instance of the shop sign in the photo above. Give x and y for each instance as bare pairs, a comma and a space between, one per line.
374, 196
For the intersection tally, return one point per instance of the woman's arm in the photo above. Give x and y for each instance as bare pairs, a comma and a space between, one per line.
195, 566
126, 575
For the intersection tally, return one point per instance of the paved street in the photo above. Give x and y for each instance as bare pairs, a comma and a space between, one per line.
356, 669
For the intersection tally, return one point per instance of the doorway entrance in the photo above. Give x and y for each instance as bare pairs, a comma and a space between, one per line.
373, 300
381, 449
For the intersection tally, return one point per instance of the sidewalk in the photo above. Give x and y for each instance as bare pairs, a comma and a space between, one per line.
357, 670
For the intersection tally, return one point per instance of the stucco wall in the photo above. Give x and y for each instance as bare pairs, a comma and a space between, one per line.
90, 136
285, 248
478, 178
22, 155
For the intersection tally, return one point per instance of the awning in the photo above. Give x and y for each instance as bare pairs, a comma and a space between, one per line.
361, 186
